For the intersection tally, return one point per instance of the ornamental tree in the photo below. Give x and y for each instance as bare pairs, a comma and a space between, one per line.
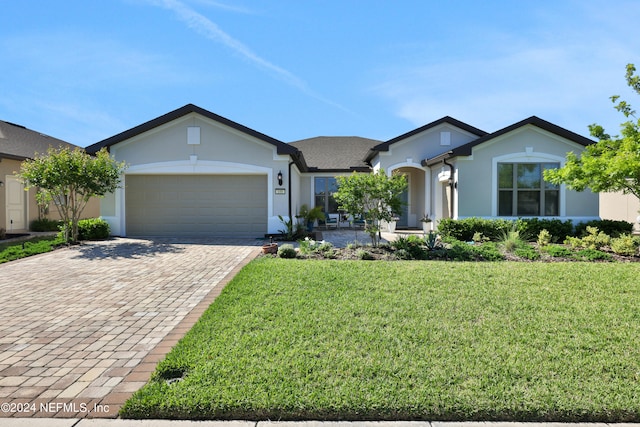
613, 163
374, 197
69, 179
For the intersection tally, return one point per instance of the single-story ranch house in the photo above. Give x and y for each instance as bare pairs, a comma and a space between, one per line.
192, 172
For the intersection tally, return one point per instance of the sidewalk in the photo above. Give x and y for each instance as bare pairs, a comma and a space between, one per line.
41, 422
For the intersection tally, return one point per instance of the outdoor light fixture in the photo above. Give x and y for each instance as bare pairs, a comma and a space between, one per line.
280, 178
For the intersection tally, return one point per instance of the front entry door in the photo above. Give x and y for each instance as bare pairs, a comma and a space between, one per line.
15, 197
404, 216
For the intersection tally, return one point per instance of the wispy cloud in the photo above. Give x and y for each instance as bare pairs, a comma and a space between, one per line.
225, 6
207, 28
509, 83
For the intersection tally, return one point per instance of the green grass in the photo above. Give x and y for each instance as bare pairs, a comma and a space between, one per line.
354, 340
11, 251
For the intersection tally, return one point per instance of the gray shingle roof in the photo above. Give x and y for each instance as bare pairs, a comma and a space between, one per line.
336, 153
18, 142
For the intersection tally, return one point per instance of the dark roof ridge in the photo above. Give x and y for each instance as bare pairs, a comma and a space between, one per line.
446, 119
466, 149
282, 147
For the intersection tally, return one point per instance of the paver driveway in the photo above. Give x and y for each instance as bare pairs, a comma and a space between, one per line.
82, 328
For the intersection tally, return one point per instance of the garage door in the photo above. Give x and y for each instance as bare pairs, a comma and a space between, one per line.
195, 205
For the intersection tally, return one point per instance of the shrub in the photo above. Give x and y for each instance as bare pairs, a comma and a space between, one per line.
510, 240
595, 239
487, 251
309, 246
607, 226
527, 252
464, 229
462, 251
287, 251
432, 241
625, 245
326, 249
45, 224
594, 255
364, 255
544, 238
531, 228
93, 229
410, 247
557, 251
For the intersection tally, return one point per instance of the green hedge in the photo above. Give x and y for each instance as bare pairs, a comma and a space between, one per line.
45, 224
529, 228
93, 229
608, 226
464, 229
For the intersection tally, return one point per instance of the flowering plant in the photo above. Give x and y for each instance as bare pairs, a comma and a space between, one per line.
308, 245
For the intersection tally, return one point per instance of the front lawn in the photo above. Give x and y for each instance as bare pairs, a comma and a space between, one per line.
356, 340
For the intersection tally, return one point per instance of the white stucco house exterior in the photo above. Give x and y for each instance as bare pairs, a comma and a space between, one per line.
192, 172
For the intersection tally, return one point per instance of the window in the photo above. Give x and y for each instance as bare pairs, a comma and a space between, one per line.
325, 187
523, 192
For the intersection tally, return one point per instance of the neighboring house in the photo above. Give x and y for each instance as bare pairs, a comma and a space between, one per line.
19, 207
192, 172
620, 207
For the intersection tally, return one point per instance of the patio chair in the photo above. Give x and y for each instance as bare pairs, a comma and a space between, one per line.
331, 221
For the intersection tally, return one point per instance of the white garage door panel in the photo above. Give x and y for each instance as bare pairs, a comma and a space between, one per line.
217, 205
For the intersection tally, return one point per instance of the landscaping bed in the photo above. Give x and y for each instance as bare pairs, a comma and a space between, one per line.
348, 340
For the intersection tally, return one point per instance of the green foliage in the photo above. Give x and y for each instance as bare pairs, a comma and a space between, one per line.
531, 227
557, 251
544, 238
432, 241
17, 250
510, 239
374, 197
45, 224
69, 179
611, 227
527, 252
590, 254
625, 245
310, 216
613, 163
93, 229
465, 229
463, 251
287, 251
594, 239
291, 230
409, 247
364, 255
478, 237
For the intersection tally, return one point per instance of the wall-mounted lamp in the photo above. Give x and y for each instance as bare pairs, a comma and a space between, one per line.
280, 178
1, 183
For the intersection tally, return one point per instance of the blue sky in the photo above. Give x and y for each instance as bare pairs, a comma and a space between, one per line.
84, 70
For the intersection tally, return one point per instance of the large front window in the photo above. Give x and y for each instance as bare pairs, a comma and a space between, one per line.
523, 192
325, 187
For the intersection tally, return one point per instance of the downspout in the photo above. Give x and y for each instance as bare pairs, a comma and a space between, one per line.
289, 189
451, 185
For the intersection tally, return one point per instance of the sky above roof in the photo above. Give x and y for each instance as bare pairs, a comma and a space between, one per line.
84, 70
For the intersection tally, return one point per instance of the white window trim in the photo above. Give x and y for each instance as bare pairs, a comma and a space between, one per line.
527, 156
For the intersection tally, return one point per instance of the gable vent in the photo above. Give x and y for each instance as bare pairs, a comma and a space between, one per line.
445, 138
193, 135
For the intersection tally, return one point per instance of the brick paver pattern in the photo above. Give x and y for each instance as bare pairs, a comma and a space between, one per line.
81, 324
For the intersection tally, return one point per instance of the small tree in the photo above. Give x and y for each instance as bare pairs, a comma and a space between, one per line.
69, 179
374, 197
612, 164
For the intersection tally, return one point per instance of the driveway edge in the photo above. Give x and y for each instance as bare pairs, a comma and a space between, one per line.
141, 374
